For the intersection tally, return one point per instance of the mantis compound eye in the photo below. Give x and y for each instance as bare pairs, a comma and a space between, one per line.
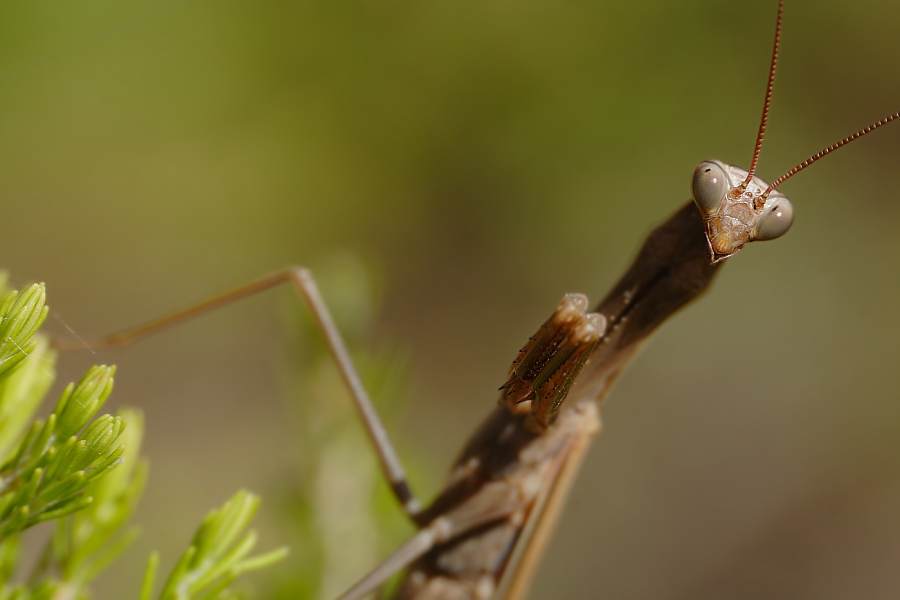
709, 186
775, 219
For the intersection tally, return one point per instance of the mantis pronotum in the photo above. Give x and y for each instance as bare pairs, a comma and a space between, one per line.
647, 217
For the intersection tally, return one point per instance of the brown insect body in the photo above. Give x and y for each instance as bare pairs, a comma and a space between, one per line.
495, 487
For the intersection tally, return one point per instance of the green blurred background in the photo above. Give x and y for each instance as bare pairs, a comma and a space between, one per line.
481, 159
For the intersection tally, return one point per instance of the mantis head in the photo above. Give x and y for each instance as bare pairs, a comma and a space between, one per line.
737, 208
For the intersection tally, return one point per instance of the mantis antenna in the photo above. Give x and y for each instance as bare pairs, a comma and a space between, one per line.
773, 64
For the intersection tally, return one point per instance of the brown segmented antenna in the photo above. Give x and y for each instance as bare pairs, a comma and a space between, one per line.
768, 101
828, 150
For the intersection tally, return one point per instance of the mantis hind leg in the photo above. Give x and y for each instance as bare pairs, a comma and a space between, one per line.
305, 286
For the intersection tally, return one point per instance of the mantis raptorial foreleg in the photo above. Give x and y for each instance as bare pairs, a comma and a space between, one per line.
305, 286
484, 534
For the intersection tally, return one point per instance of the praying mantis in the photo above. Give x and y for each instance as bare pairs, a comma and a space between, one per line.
646, 223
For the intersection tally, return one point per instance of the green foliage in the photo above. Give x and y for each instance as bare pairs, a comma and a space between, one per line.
85, 473
90, 539
46, 478
215, 557
20, 317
